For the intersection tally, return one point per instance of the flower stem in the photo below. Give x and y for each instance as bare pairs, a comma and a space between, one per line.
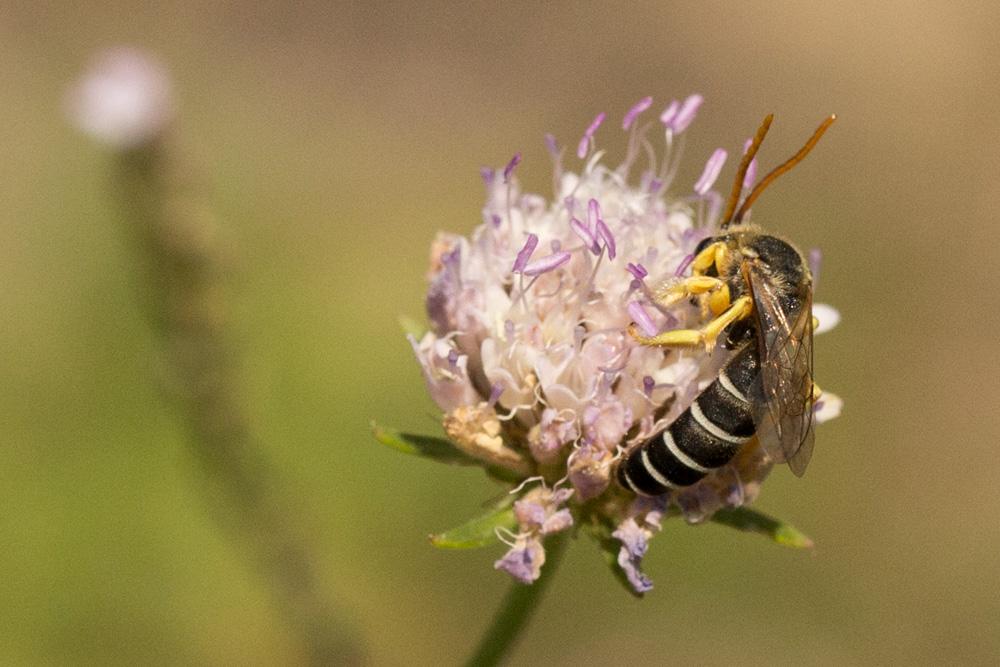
183, 269
516, 610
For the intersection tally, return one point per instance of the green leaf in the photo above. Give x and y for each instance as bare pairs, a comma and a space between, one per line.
438, 449
752, 521
610, 547
478, 532
426, 446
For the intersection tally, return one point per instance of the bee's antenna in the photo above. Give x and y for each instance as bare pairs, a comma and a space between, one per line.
734, 196
782, 168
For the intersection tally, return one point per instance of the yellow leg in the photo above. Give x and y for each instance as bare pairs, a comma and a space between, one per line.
704, 260
707, 335
677, 292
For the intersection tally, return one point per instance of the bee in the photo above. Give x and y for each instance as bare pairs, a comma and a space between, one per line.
758, 290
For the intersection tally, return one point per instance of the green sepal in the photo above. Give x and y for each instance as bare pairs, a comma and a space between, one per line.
610, 548
480, 531
427, 446
438, 449
752, 521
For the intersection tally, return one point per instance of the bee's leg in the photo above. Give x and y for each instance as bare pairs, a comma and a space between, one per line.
714, 254
694, 285
707, 335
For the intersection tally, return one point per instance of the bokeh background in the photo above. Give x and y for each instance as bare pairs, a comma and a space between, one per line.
333, 140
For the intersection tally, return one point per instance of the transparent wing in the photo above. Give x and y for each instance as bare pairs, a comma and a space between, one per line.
783, 393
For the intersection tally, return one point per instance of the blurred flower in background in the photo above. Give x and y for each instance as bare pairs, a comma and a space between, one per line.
123, 100
528, 355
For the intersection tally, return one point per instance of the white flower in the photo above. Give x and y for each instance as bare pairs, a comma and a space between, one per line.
124, 99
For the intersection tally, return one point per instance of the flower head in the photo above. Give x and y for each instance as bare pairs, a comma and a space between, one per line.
529, 356
123, 100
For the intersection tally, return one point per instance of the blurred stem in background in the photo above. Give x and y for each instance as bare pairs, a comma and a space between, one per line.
516, 610
125, 101
183, 279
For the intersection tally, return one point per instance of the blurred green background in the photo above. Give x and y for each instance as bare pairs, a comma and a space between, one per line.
334, 140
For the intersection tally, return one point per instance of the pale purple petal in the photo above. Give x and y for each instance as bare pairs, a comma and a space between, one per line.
667, 117
634, 544
509, 169
634, 112
530, 515
685, 115
711, 171
560, 520
546, 264
525, 254
524, 561
642, 318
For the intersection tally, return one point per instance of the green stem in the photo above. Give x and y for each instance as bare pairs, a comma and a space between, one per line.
516, 610
183, 282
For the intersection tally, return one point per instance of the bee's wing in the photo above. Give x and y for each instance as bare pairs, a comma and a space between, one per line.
782, 396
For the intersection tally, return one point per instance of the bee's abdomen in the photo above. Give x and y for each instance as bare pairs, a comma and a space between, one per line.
705, 436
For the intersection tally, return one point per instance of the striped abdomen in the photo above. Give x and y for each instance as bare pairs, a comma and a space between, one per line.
705, 436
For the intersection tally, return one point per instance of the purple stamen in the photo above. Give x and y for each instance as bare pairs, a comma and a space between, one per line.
496, 219
488, 174
509, 169
683, 266
452, 357
668, 114
551, 145
634, 112
605, 235
556, 245
495, 392
686, 113
711, 171
593, 212
642, 318
637, 270
585, 235
655, 185
508, 328
588, 135
546, 264
648, 383
525, 254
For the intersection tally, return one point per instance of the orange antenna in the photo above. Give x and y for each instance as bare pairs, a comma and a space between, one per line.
734, 196
782, 168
